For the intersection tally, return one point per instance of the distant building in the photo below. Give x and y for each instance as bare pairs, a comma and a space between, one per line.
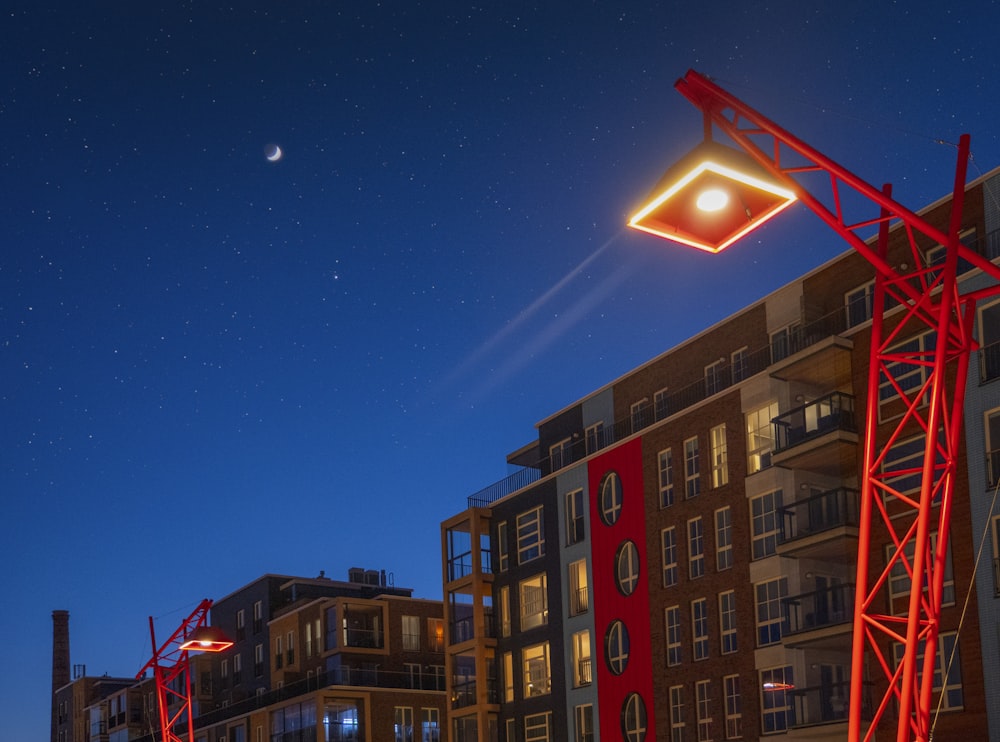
675, 560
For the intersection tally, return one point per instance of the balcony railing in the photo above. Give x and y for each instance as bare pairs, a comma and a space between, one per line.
828, 607
579, 601
833, 412
827, 704
463, 694
584, 671
822, 512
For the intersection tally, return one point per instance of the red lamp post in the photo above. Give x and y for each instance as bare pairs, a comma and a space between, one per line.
930, 298
171, 669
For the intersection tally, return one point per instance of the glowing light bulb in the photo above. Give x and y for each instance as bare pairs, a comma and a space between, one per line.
712, 199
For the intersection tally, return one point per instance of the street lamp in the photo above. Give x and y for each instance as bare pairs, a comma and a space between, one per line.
931, 301
171, 668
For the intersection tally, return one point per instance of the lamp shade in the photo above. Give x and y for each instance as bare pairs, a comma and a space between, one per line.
206, 639
713, 196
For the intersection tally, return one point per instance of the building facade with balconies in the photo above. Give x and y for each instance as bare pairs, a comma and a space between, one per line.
676, 559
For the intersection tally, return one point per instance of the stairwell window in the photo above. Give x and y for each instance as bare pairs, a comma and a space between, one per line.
720, 458
760, 437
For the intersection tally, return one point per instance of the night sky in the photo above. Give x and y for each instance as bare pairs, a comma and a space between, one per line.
214, 366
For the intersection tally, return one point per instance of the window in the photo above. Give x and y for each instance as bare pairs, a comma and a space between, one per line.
560, 454
899, 576
703, 709
503, 555
574, 517
616, 647
989, 342
666, 464
904, 374
639, 414
258, 660
530, 538
902, 467
510, 727
677, 713
771, 618
776, 702
290, 647
258, 617
739, 362
582, 669
411, 672
503, 595
714, 377
760, 437
508, 677
786, 341
699, 628
992, 430
661, 406
723, 538
594, 436
579, 594
720, 462
858, 304
411, 633
672, 625
727, 621
534, 602
634, 718
696, 548
734, 706
309, 639
435, 633
279, 657
949, 687
537, 677
241, 624
430, 725
584, 716
627, 568
668, 540
319, 637
611, 498
765, 524
238, 668
403, 724
537, 727
692, 475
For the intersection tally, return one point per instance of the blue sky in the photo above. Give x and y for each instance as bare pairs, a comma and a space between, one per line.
214, 366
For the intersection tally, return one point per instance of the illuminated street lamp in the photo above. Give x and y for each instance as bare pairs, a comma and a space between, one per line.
679, 210
171, 669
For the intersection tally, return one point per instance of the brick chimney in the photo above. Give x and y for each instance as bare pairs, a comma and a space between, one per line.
60, 659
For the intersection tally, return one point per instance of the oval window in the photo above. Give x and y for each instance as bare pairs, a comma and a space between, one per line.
611, 498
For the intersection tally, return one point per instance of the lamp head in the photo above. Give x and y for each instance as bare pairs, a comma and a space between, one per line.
713, 196
206, 639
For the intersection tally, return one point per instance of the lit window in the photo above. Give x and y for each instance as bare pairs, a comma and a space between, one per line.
727, 621
530, 538
734, 706
508, 677
431, 725
765, 519
696, 548
503, 555
760, 437
534, 602
582, 669
772, 620
666, 467
668, 540
404, 724
720, 461
611, 498
723, 538
699, 628
777, 713
579, 594
692, 474
584, 716
672, 625
537, 676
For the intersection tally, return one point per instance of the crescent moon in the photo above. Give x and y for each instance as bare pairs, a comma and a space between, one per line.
274, 153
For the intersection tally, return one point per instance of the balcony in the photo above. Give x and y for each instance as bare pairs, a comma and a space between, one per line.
579, 601
824, 360
826, 704
819, 436
821, 619
823, 526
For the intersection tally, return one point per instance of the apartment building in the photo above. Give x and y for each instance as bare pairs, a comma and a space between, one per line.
675, 559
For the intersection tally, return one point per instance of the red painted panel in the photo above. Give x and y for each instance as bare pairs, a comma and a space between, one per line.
609, 603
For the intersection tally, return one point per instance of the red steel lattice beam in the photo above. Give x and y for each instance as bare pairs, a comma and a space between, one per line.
932, 301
